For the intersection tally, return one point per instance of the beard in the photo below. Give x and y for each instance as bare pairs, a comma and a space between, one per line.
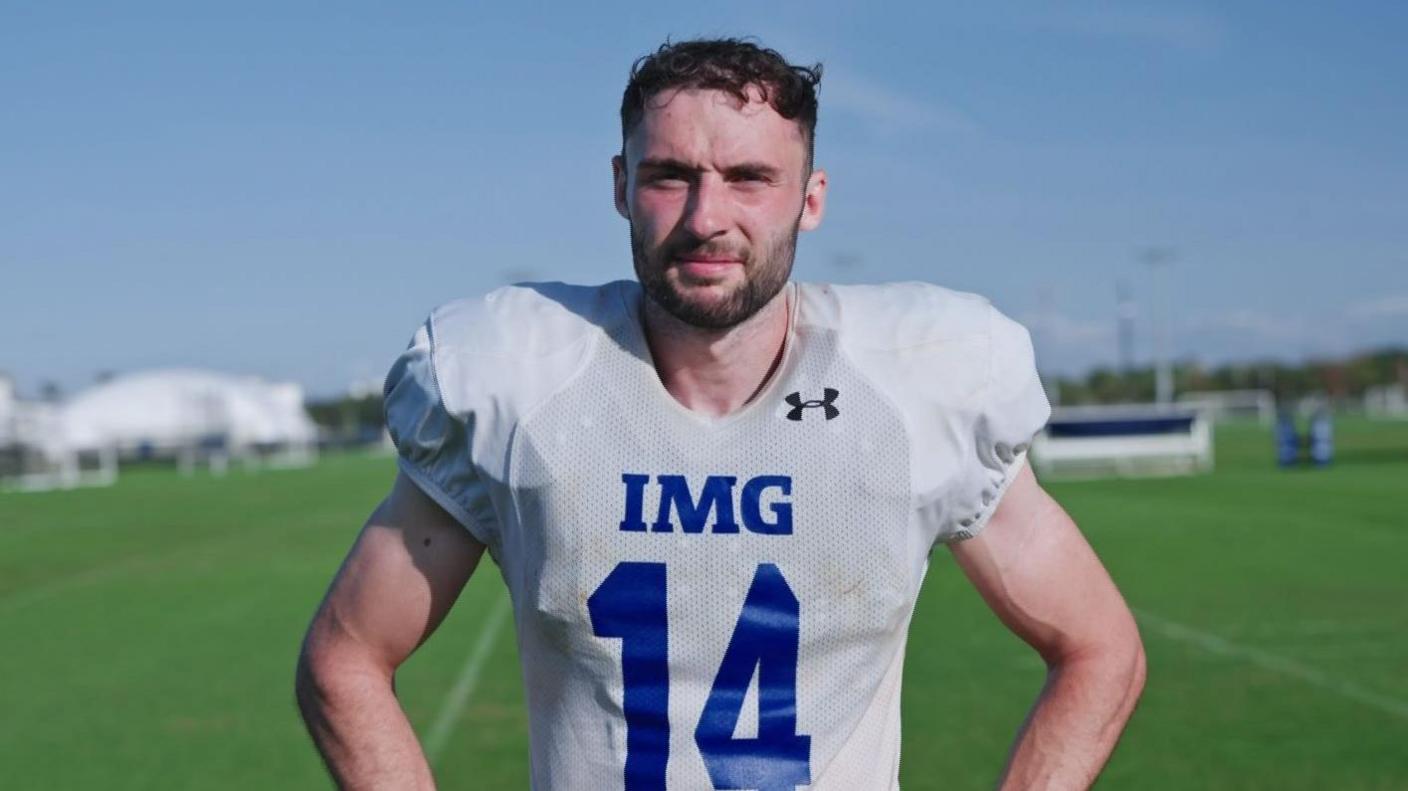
764, 276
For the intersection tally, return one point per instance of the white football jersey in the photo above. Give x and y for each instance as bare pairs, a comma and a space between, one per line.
715, 603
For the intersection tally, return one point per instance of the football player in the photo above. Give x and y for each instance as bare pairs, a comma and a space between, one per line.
712, 492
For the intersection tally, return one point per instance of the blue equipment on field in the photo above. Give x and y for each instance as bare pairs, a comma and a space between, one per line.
1322, 438
1287, 440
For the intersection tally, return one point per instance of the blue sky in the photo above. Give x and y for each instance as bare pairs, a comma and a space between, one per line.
286, 191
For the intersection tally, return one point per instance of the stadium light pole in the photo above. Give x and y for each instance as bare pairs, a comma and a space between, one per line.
1158, 260
1125, 314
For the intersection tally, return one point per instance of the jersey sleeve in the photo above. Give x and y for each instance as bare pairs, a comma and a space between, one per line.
433, 444
1009, 413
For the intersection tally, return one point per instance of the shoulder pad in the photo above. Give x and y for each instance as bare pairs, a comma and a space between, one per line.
927, 341
518, 344
897, 315
961, 375
526, 319
473, 370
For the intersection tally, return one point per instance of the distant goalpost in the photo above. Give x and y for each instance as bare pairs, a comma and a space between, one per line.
1220, 405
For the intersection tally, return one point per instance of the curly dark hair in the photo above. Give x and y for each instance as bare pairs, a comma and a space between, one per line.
725, 64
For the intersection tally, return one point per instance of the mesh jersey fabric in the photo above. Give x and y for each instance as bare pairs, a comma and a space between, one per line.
715, 602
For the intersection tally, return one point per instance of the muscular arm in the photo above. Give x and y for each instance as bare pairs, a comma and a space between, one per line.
395, 587
1038, 574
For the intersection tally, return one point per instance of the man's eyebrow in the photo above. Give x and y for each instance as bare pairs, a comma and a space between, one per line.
753, 169
742, 168
665, 163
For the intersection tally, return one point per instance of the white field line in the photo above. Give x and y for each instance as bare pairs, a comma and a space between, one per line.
62, 584
453, 707
1280, 664
1318, 627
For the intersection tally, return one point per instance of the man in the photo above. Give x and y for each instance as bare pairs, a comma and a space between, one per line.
713, 493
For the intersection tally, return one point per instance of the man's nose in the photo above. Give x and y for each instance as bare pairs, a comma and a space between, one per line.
707, 210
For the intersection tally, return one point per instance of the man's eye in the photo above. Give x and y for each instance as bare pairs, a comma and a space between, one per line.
666, 178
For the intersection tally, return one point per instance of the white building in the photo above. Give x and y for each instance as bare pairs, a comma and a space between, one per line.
165, 412
35, 452
7, 411
189, 415
1386, 401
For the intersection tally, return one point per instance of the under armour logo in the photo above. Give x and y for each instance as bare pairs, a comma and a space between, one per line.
827, 403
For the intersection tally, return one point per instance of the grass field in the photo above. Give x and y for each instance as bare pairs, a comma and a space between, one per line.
150, 631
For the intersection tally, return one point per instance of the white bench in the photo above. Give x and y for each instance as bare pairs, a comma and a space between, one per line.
1124, 440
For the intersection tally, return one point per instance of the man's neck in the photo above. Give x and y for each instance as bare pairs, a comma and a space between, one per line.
716, 372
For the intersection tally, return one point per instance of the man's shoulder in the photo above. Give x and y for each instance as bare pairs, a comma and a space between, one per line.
926, 345
526, 320
893, 316
517, 344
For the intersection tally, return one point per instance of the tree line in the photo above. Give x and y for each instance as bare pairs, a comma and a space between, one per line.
1340, 380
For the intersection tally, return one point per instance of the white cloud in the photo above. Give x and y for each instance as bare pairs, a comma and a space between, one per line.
1062, 330
1174, 28
1072, 344
1248, 321
889, 111
1389, 306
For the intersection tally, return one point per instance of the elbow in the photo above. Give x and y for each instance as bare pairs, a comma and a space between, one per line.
309, 688
1138, 668
1125, 659
316, 680
329, 674
1116, 659
1121, 662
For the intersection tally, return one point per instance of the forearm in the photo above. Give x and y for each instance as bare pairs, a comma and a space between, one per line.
360, 729
1077, 719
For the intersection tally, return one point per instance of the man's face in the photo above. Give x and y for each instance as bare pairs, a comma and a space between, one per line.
715, 191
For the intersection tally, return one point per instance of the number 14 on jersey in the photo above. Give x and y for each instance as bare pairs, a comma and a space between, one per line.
630, 604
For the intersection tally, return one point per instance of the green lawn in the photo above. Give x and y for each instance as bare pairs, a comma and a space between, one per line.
151, 630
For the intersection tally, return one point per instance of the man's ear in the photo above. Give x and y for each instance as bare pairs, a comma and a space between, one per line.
618, 176
813, 201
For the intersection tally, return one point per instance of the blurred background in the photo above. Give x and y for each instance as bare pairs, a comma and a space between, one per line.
218, 226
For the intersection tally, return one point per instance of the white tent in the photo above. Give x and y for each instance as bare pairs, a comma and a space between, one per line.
168, 411
30, 423
8, 432
35, 452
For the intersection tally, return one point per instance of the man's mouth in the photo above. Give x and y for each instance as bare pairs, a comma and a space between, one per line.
706, 267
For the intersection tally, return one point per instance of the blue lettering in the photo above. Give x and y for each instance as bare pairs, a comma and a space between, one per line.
635, 493
678, 507
752, 505
717, 496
